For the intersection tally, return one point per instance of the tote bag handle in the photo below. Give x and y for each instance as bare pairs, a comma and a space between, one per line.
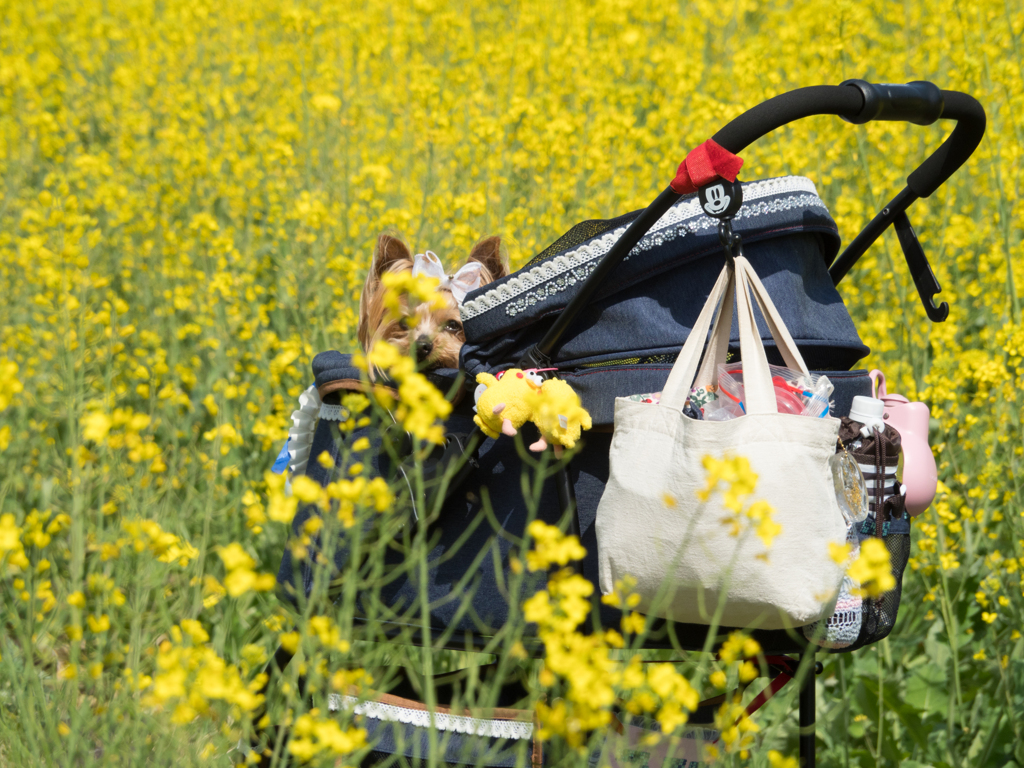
760, 393
681, 377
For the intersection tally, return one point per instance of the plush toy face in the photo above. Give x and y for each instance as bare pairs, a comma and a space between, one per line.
505, 405
532, 377
511, 398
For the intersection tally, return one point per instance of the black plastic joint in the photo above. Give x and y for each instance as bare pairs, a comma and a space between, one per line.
534, 358
918, 102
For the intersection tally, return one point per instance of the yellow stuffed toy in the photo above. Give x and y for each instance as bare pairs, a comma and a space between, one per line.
514, 397
559, 415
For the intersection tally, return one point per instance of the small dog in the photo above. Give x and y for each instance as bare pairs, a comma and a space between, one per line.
435, 333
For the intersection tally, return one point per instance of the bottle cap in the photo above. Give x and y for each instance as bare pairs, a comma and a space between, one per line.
868, 411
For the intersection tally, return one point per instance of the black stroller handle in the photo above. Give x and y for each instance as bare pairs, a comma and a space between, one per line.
860, 102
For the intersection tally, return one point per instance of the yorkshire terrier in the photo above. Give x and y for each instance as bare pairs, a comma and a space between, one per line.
435, 334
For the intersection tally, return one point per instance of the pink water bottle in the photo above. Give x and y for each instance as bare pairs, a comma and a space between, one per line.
911, 421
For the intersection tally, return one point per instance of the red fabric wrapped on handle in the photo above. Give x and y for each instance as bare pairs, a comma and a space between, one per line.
704, 164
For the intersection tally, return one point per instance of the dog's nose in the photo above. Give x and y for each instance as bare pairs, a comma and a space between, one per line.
424, 347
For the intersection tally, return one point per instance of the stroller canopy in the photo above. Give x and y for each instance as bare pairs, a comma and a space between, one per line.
644, 313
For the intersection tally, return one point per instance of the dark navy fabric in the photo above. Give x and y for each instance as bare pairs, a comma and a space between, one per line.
391, 738
332, 366
654, 317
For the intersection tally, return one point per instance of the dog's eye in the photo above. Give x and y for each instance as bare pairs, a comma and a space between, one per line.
452, 326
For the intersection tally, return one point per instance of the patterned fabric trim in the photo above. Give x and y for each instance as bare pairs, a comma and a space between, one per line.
421, 718
333, 412
556, 275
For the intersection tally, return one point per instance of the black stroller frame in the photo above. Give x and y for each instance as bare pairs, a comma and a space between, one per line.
855, 101
858, 102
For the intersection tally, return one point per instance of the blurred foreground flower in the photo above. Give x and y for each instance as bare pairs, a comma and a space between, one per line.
872, 569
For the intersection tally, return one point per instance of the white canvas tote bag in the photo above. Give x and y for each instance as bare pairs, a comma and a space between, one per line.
682, 555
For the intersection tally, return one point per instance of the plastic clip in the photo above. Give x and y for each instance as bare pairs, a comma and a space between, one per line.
731, 242
920, 269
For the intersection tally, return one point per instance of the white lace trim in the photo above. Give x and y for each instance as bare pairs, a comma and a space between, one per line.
474, 726
300, 436
595, 249
333, 412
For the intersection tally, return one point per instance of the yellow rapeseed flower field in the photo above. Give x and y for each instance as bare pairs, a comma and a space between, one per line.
189, 196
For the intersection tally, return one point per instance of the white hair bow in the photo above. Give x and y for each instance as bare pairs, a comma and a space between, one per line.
462, 282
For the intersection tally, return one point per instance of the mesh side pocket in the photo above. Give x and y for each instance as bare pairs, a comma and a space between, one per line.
879, 614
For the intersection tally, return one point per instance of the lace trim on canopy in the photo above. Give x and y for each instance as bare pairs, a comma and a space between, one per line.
686, 216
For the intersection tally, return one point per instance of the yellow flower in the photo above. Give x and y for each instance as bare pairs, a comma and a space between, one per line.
213, 591
195, 630
313, 736
839, 553
227, 435
98, 624
10, 534
234, 556
242, 577
735, 473
325, 102
290, 641
242, 580
420, 404
211, 405
355, 402
9, 384
738, 645
747, 672
306, 490
740, 481
778, 760
634, 623
872, 569
551, 547
281, 508
96, 426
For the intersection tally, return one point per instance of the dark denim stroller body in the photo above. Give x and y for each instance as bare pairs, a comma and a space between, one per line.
609, 305
625, 344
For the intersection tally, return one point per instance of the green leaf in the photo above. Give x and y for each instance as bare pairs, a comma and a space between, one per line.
909, 716
927, 689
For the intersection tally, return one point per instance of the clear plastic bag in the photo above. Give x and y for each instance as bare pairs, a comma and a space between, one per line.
795, 392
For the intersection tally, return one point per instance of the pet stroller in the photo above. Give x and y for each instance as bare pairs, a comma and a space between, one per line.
609, 305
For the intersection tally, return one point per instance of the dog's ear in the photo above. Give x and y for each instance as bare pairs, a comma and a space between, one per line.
391, 254
488, 253
390, 249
